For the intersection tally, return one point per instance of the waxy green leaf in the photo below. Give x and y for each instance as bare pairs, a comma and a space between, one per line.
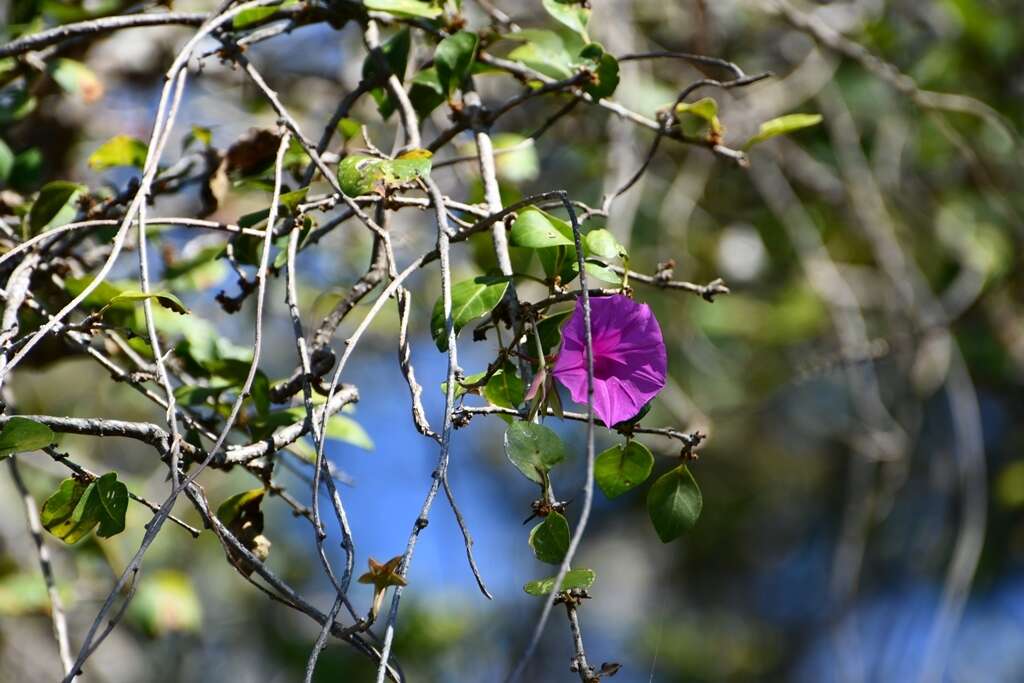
470, 299
535, 229
20, 435
550, 539
574, 579
76, 508
622, 467
453, 58
601, 242
533, 448
674, 503
505, 388
575, 15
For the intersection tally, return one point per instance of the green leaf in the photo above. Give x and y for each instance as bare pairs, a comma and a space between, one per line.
120, 150
6, 162
349, 128
535, 229
21, 434
395, 51
601, 242
99, 297
696, 117
605, 69
167, 603
572, 14
407, 167
255, 15
533, 448
287, 203
460, 388
404, 8
426, 93
27, 169
344, 428
113, 503
55, 205
201, 134
76, 508
453, 59
24, 594
76, 79
260, 393
782, 125
621, 468
470, 299
360, 174
543, 51
165, 299
519, 165
574, 579
505, 388
72, 511
550, 539
550, 330
238, 504
16, 106
601, 272
674, 503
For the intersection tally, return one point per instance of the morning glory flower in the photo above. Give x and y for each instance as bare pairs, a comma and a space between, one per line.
629, 357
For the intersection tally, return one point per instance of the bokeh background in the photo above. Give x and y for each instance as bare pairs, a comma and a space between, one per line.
861, 386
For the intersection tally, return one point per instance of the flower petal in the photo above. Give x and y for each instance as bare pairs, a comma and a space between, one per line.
630, 360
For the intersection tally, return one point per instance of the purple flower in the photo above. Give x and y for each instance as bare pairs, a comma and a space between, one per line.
629, 357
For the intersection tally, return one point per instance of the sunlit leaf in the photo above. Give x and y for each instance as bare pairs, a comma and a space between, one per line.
577, 579
622, 467
360, 174
601, 242
404, 8
454, 57
533, 448
543, 51
120, 150
575, 15
783, 125
76, 78
505, 388
534, 229
344, 428
698, 118
20, 435
166, 602
165, 299
470, 300
77, 507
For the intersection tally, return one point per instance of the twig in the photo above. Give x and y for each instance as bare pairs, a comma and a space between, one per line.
60, 625
59, 34
588, 486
